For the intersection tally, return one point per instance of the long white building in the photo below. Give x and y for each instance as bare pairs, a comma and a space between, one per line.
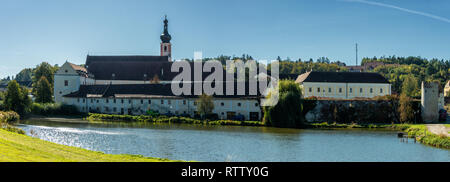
343, 85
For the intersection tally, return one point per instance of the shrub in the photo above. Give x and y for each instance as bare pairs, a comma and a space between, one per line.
165, 119
54, 109
9, 117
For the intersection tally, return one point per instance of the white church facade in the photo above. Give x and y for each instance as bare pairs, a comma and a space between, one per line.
136, 84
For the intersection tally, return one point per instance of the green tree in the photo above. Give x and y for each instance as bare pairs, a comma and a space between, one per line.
288, 111
16, 98
44, 70
25, 75
406, 109
205, 105
43, 91
410, 86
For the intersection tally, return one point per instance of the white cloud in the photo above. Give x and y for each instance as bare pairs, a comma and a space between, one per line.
401, 9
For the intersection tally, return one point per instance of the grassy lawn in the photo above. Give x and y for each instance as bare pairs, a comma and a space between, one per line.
421, 133
21, 148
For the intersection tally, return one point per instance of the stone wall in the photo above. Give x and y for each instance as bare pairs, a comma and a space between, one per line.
430, 102
356, 111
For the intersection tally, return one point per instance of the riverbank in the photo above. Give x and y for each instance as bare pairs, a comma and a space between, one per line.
418, 131
423, 135
169, 120
22, 148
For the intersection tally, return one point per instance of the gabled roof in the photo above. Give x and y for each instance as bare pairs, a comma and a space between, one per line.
341, 77
128, 67
78, 68
147, 90
134, 58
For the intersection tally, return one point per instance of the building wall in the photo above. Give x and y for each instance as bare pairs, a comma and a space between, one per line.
179, 106
447, 89
345, 90
124, 82
430, 102
65, 73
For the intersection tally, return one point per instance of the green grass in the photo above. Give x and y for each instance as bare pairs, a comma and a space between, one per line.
421, 133
21, 148
170, 120
326, 125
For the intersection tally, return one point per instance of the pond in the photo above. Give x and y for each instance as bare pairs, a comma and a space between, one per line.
236, 143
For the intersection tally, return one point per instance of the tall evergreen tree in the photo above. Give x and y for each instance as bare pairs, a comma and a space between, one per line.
16, 98
43, 91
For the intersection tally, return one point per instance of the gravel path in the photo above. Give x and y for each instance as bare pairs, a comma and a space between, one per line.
438, 129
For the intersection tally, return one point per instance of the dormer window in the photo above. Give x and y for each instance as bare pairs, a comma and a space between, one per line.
66, 71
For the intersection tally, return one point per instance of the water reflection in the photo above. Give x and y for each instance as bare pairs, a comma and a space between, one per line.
232, 143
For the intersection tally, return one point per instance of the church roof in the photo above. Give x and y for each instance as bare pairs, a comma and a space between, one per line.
146, 91
128, 67
341, 77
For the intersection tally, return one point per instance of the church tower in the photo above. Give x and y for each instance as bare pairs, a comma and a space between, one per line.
166, 47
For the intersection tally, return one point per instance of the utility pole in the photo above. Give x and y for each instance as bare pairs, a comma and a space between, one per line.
356, 54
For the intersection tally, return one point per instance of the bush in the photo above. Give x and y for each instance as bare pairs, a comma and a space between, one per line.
54, 109
9, 117
6, 119
172, 120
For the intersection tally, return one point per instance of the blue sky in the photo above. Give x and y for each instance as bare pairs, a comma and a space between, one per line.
58, 30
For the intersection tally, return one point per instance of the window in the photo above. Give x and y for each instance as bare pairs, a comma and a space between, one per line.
222, 104
318, 89
84, 100
142, 101
129, 101
114, 101
107, 100
254, 116
184, 102
121, 100
360, 90
371, 90
329, 90
351, 90
92, 101
66, 83
107, 109
256, 104
149, 101
340, 90
310, 89
165, 48
66, 71
195, 103
168, 102
78, 100
239, 104
162, 101
381, 90
114, 109
98, 101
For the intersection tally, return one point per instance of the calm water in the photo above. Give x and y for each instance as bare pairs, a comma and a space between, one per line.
199, 143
